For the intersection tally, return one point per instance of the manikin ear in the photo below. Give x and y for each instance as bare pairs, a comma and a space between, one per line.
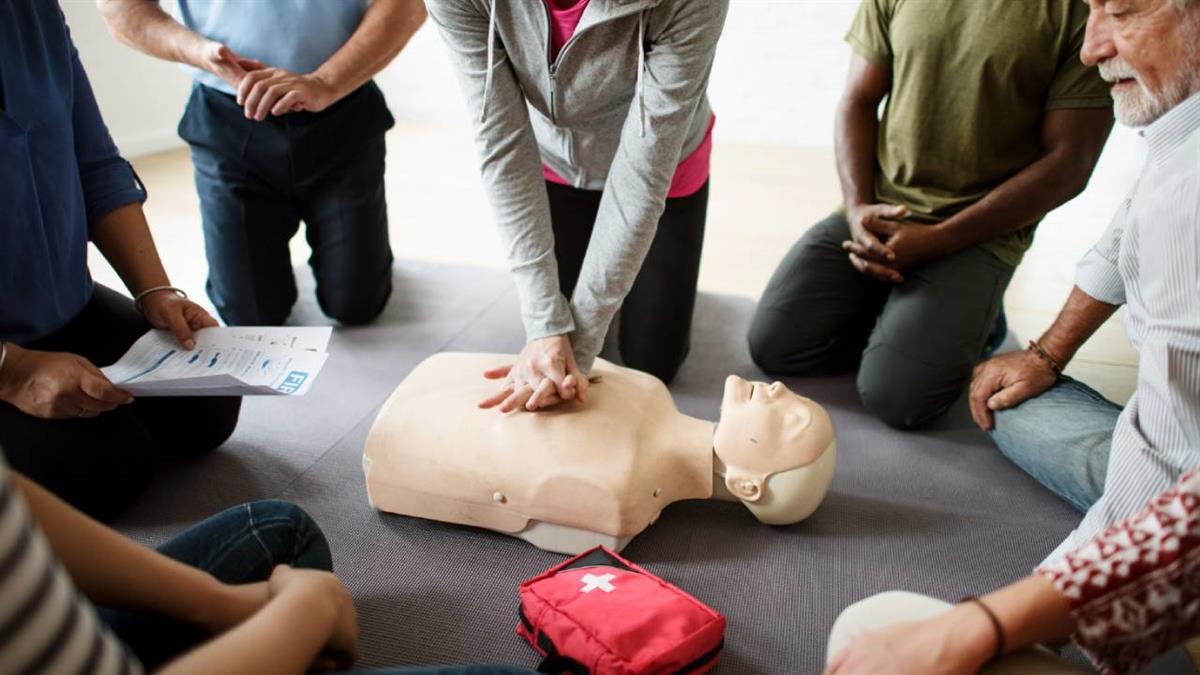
791, 496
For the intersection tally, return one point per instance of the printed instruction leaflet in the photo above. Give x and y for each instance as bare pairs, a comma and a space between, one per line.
227, 361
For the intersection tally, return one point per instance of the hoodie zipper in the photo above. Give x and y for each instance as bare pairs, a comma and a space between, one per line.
567, 45
553, 62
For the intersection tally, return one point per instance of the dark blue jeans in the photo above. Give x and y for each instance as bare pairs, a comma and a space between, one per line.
238, 546
258, 180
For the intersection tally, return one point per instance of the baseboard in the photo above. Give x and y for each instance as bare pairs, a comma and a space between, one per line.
150, 143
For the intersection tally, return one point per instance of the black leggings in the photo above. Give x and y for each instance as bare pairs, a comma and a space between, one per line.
656, 317
101, 464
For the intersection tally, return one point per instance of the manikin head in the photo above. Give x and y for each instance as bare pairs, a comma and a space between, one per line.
1149, 50
775, 450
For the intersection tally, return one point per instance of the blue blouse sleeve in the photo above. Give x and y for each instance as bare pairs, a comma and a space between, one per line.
109, 182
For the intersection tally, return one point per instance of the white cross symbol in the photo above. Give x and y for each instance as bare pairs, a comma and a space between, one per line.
591, 582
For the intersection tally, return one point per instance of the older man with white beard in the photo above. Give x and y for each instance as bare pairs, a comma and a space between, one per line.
1123, 584
1105, 460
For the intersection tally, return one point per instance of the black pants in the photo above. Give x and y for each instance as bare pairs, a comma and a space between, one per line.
258, 180
656, 317
101, 464
915, 344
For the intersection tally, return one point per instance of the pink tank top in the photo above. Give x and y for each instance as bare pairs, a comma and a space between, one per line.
692, 171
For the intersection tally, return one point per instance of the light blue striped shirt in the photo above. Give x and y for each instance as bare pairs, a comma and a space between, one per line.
1149, 261
298, 35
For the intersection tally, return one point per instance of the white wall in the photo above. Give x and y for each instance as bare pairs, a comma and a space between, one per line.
764, 88
141, 98
777, 77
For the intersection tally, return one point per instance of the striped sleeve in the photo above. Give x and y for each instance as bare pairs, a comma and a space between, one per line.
45, 625
1097, 273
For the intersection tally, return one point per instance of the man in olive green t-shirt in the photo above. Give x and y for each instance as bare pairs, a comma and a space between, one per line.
991, 121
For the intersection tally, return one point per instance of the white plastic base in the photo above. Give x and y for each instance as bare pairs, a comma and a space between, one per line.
569, 540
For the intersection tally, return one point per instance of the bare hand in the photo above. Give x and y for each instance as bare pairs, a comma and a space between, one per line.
57, 385
226, 64
867, 244
341, 650
276, 91
544, 374
1005, 381
165, 309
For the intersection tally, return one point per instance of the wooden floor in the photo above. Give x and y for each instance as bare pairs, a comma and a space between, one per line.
762, 199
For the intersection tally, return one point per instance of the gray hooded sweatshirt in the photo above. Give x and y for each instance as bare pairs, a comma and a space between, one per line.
616, 111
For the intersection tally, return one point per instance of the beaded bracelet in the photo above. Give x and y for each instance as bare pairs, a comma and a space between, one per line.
1044, 355
137, 300
996, 627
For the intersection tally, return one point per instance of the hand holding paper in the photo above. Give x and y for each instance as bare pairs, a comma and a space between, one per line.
238, 361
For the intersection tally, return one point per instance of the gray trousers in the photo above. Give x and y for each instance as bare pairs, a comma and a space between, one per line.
915, 344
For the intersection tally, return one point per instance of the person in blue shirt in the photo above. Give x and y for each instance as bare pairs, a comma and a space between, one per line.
285, 125
63, 184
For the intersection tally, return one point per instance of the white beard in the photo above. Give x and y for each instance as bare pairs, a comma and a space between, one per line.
1138, 106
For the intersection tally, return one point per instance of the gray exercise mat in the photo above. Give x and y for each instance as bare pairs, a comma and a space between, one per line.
939, 512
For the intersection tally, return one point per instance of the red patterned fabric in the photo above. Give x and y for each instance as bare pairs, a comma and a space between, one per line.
1134, 590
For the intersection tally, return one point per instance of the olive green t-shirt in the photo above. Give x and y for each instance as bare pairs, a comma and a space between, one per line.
971, 82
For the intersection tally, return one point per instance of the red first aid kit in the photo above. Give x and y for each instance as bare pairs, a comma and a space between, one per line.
599, 614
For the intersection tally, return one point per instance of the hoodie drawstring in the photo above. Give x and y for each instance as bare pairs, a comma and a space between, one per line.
641, 84
491, 61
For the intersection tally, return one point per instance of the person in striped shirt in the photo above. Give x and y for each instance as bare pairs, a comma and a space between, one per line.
1105, 460
249, 590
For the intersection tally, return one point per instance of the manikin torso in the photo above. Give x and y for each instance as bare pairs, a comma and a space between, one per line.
573, 476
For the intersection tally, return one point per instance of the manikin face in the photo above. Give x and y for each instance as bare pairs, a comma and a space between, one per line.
1149, 50
766, 429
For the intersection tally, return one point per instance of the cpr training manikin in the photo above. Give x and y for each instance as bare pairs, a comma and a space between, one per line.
599, 472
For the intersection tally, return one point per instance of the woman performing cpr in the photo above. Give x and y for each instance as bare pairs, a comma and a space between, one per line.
595, 134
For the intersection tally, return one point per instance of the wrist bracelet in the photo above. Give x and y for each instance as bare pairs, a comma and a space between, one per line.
3, 354
137, 300
996, 627
1044, 355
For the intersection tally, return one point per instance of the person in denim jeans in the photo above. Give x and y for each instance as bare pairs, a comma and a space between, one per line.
250, 589
285, 125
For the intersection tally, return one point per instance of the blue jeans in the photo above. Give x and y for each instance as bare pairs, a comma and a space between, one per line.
1062, 438
258, 180
238, 546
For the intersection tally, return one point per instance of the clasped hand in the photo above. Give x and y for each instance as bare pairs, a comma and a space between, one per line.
544, 374
882, 245
263, 90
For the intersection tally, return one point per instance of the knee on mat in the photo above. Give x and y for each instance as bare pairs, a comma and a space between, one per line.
897, 402
767, 350
240, 315
663, 364
291, 536
354, 308
783, 351
216, 418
